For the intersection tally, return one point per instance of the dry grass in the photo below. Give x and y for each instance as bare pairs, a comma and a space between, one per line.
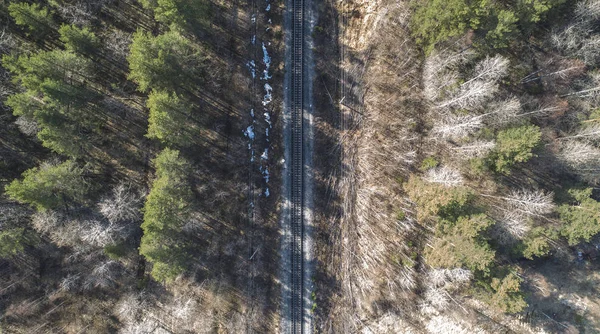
379, 145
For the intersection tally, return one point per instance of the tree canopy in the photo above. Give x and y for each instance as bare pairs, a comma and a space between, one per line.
50, 186
461, 245
36, 18
168, 119
436, 21
166, 210
582, 219
79, 40
514, 145
179, 12
164, 62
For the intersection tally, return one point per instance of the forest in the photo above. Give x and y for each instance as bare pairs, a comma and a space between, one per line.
456, 170
466, 191
125, 172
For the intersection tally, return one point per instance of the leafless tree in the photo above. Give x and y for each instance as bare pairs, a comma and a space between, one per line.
470, 95
7, 42
438, 298
70, 283
578, 38
480, 87
143, 326
123, 205
131, 306
103, 275
578, 154
27, 126
439, 72
536, 202
456, 127
118, 43
590, 133
478, 148
505, 111
444, 175
491, 69
11, 212
442, 324
47, 221
101, 234
515, 223
439, 277
528, 202
81, 12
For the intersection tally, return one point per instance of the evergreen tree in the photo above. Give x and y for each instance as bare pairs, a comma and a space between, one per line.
514, 145
164, 62
168, 117
78, 40
12, 242
582, 220
34, 17
181, 13
460, 244
166, 210
50, 186
507, 295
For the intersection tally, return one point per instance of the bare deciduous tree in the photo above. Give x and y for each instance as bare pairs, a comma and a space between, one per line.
443, 324
444, 175
123, 205
516, 224
453, 126
504, 111
103, 275
529, 202
470, 95
81, 12
480, 87
590, 133
27, 126
131, 306
70, 283
101, 234
118, 42
437, 298
478, 148
439, 72
490, 69
577, 154
578, 38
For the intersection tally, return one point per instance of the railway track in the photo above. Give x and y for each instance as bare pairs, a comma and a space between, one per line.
297, 170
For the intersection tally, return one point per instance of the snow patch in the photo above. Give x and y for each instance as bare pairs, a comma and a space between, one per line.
268, 97
252, 67
268, 7
267, 62
265, 155
267, 193
249, 132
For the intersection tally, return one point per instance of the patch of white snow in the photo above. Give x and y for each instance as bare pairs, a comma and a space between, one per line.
268, 97
249, 132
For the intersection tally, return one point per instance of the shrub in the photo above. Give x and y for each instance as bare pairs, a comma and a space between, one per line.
428, 163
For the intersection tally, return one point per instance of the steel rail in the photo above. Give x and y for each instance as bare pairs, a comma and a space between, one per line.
297, 168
